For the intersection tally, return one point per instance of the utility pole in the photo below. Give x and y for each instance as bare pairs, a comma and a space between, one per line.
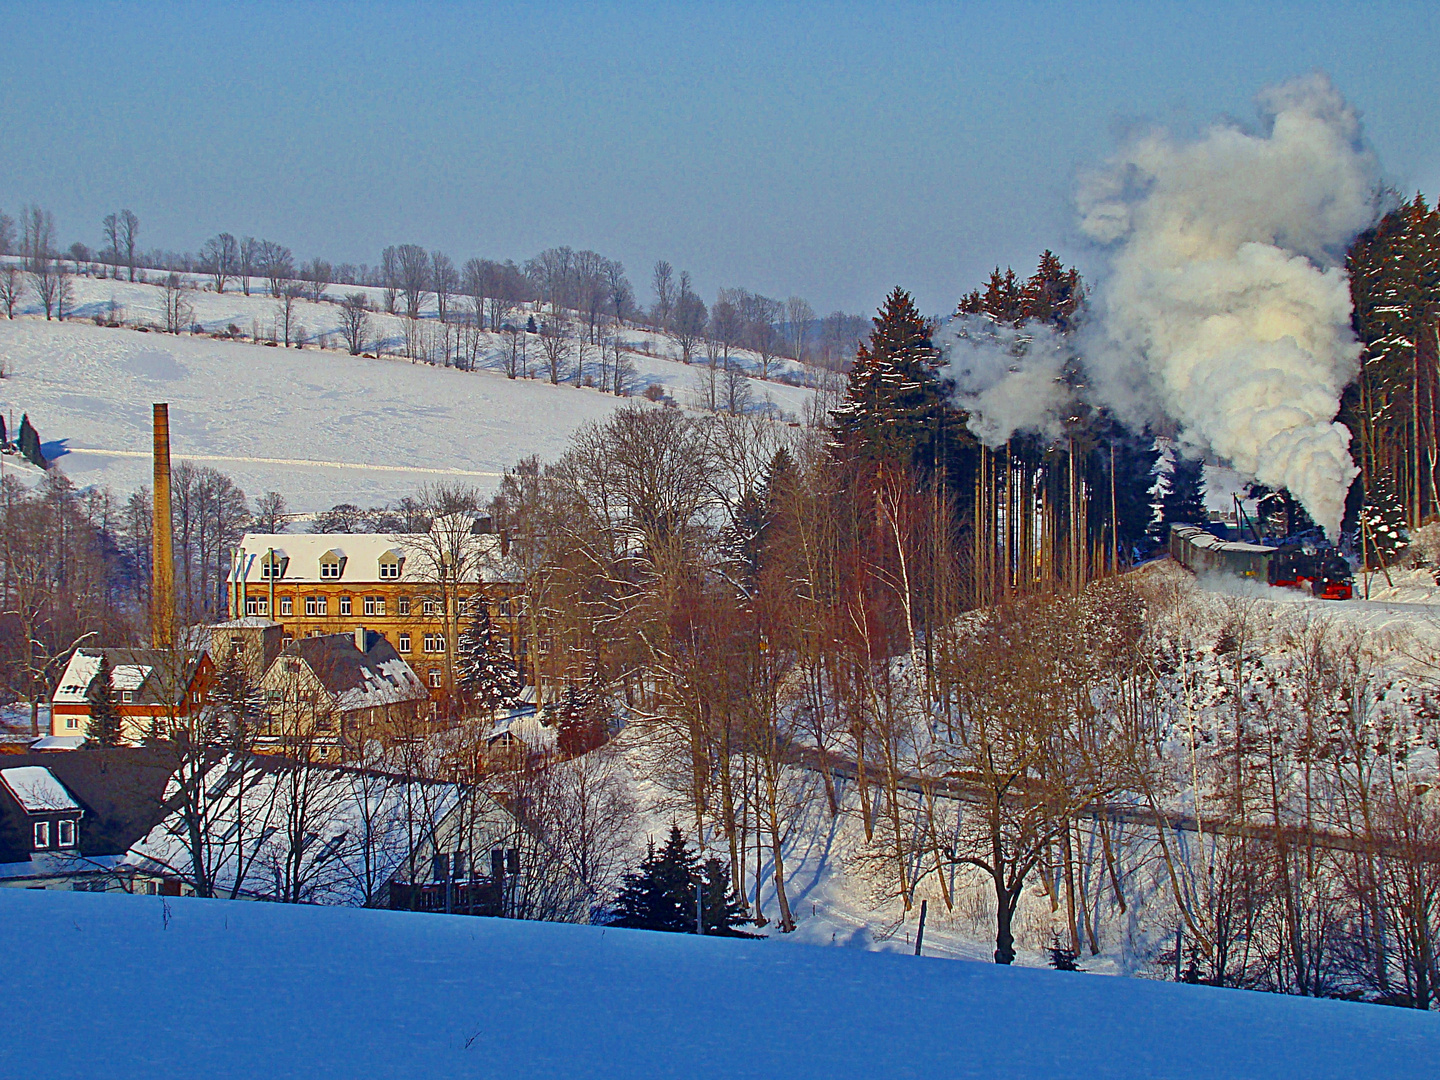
920, 934
700, 906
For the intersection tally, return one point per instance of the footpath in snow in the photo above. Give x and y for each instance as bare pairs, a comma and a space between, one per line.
105, 985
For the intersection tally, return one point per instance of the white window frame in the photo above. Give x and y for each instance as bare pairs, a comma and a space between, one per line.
287, 606
402, 605
330, 571
374, 605
344, 605
434, 643
404, 643
428, 606
437, 678
127, 697
257, 605
390, 570
62, 828
40, 835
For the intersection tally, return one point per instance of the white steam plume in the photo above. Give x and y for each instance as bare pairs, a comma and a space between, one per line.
1008, 380
1225, 307
1224, 315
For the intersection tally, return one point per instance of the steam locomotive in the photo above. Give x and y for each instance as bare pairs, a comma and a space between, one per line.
1295, 565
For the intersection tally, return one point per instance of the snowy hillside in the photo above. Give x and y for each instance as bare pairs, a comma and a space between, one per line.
193, 987
319, 426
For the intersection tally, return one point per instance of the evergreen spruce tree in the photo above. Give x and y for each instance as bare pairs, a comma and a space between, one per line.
3, 439
581, 718
723, 911
1382, 520
1062, 957
104, 727
29, 443
895, 408
1184, 500
661, 895
485, 675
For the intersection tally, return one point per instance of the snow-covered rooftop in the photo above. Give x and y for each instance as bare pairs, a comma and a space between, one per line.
36, 789
360, 553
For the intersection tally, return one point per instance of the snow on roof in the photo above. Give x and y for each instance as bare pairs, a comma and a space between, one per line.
527, 729
130, 676
130, 668
363, 553
79, 673
59, 742
36, 789
1202, 539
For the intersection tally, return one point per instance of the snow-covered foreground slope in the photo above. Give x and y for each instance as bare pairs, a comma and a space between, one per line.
140, 986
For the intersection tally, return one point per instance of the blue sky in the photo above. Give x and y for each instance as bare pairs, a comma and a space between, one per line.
827, 151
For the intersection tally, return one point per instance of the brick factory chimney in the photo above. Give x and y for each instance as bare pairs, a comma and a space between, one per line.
162, 590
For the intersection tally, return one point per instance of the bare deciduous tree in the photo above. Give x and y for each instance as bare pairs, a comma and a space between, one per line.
444, 281
129, 237
662, 281
555, 342
355, 321
220, 258
689, 319
412, 268
286, 307
11, 286
317, 275
271, 513
248, 262
37, 250
798, 317
175, 307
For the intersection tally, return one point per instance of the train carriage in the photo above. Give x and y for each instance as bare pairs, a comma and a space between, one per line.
1324, 572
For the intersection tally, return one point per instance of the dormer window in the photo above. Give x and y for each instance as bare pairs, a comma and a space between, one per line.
272, 566
332, 565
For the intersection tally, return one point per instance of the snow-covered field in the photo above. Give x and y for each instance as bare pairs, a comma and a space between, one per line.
110, 985
319, 426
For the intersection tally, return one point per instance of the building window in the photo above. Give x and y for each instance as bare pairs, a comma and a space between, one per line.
316, 605
257, 605
287, 606
403, 604
436, 679
127, 697
434, 643
374, 605
404, 643
72, 721
332, 565
273, 569
505, 608
428, 606
344, 605
286, 641
66, 830
42, 835
390, 571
